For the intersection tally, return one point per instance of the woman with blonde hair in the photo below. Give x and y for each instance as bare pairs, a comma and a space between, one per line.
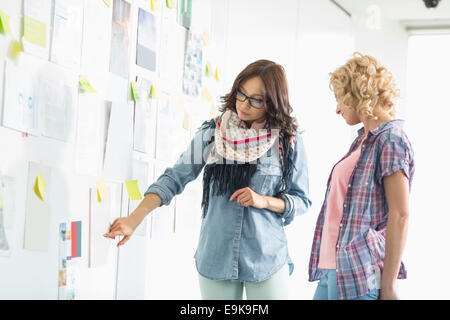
361, 229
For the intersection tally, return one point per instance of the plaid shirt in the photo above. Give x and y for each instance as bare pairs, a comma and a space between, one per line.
361, 242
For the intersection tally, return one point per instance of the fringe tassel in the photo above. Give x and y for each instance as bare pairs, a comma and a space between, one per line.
225, 179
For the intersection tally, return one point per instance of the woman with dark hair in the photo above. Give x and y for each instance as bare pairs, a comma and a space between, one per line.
255, 181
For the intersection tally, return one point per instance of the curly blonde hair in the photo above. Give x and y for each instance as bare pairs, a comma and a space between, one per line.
362, 84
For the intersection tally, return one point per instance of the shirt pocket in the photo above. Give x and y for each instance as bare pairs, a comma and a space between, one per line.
266, 179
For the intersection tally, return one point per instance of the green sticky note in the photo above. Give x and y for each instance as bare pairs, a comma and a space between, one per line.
84, 85
39, 187
34, 31
107, 2
170, 4
207, 70
4, 23
133, 190
134, 92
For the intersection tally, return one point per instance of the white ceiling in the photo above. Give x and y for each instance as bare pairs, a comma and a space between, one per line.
408, 12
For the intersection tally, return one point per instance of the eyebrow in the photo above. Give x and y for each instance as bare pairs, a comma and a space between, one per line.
252, 96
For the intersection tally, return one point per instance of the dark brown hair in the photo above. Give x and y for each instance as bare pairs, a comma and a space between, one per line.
278, 109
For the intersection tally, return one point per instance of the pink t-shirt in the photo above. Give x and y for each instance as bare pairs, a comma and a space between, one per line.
339, 184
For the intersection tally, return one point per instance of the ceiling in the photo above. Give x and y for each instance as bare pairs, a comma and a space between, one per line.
411, 13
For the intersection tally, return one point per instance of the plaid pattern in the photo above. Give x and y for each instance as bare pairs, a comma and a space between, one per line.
361, 242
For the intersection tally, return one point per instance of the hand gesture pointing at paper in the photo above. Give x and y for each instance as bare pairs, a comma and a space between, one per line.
126, 226
122, 227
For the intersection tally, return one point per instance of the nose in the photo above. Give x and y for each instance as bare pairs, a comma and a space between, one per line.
338, 109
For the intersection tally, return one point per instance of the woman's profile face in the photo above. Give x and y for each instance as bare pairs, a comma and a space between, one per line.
250, 104
350, 116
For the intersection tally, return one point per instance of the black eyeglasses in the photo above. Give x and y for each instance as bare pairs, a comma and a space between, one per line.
255, 103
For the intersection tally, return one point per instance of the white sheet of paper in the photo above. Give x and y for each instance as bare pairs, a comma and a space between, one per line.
7, 234
132, 266
57, 93
141, 171
144, 119
164, 129
37, 214
20, 101
39, 10
89, 140
101, 216
172, 49
162, 217
119, 144
96, 37
67, 33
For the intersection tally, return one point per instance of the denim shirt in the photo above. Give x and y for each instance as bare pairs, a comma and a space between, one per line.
240, 243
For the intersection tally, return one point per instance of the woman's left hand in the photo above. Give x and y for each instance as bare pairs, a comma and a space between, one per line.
247, 197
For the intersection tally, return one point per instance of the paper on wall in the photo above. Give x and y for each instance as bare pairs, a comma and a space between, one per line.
119, 144
89, 144
67, 33
162, 217
101, 216
141, 175
96, 37
36, 27
20, 100
37, 215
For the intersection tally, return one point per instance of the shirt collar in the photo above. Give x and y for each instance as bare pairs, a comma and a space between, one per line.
383, 127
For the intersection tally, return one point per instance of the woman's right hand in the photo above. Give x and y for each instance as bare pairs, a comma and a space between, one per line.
122, 227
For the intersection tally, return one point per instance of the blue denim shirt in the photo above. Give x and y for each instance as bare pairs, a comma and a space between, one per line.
240, 243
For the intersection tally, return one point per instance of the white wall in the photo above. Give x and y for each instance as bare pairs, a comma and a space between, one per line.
310, 39
427, 128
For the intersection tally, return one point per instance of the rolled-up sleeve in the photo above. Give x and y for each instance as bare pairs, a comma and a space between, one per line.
186, 169
296, 197
396, 155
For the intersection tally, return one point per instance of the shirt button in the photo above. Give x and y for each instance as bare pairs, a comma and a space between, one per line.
235, 257
345, 205
337, 246
349, 185
341, 225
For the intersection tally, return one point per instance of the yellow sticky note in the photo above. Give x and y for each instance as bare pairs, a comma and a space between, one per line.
154, 92
154, 5
39, 187
170, 4
14, 50
107, 2
206, 38
102, 190
4, 23
34, 31
84, 84
206, 94
186, 121
133, 190
134, 92
217, 75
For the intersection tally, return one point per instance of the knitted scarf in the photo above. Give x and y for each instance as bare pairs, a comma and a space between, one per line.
235, 149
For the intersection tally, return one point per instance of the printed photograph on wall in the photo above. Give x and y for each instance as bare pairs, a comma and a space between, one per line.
146, 41
192, 77
120, 38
